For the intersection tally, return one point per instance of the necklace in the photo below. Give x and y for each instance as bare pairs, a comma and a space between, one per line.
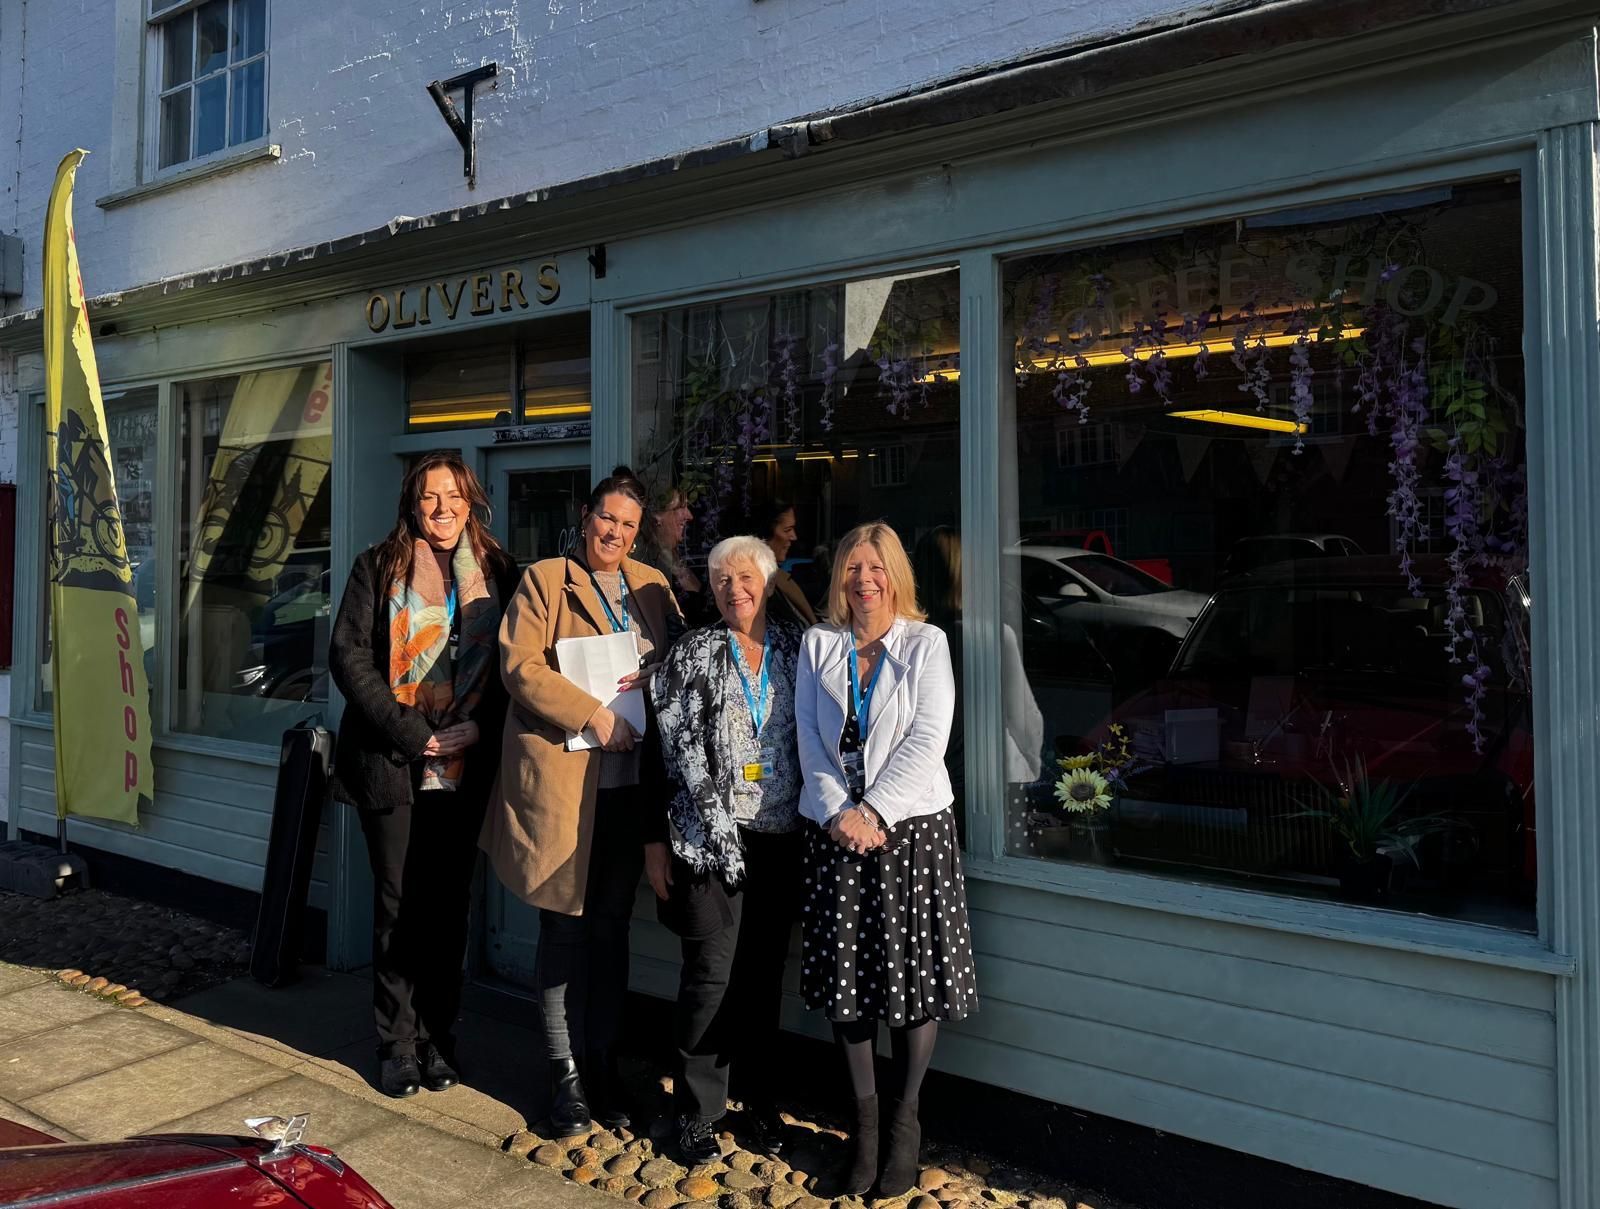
753, 649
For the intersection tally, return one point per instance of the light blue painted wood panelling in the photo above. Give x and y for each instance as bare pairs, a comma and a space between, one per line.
1237, 1122
211, 816
1425, 1076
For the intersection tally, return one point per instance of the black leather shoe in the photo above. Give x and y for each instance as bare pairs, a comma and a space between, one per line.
437, 1072
766, 1128
608, 1097
569, 1107
399, 1076
697, 1140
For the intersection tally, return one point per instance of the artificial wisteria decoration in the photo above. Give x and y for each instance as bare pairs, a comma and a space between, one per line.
1250, 354
830, 372
1424, 381
789, 385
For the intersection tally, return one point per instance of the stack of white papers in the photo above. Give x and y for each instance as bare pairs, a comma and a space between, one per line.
595, 665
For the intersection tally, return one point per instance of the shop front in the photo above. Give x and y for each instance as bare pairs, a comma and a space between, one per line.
1239, 430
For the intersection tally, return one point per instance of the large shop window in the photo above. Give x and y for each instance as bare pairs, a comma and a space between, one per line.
131, 417
840, 401
253, 598
1266, 551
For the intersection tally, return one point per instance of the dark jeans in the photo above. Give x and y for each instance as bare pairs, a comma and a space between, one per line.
422, 858
581, 966
730, 993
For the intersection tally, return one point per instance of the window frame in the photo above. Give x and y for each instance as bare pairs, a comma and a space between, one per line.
153, 23
33, 607
984, 361
987, 857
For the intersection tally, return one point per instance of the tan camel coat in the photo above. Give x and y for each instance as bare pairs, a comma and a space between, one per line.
540, 823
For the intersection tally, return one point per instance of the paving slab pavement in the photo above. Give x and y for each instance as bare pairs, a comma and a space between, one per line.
75, 1065
80, 1067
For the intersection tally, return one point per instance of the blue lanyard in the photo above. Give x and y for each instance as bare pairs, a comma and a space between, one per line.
450, 608
760, 700
862, 701
617, 627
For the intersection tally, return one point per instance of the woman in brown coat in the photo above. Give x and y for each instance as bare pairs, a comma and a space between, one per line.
567, 831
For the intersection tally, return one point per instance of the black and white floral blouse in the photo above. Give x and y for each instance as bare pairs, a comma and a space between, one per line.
691, 692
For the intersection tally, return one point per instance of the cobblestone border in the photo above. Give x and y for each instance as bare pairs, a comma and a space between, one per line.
102, 987
635, 1168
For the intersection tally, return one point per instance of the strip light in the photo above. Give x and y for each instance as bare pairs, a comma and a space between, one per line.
1174, 352
1178, 351
550, 412
1243, 419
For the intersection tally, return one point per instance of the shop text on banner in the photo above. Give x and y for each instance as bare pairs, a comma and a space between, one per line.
102, 700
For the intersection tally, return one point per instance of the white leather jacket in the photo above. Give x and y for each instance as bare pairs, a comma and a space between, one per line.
908, 724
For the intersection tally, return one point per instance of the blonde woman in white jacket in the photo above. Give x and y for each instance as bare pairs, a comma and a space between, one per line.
885, 910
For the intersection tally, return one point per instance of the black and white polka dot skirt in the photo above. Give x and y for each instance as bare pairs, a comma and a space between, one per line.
885, 934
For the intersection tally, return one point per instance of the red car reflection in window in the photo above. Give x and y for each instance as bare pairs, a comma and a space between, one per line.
1299, 670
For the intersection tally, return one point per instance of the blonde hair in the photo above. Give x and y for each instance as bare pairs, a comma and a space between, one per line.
902, 583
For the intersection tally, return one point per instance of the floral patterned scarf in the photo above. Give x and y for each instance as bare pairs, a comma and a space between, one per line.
421, 670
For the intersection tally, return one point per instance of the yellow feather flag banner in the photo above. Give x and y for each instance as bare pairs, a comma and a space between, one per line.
102, 701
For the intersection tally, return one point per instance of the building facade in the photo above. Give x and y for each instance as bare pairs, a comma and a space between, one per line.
1227, 371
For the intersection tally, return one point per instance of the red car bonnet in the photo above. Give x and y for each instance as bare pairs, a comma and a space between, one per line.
65, 1169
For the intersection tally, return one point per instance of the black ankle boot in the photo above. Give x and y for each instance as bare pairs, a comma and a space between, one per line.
569, 1108
859, 1179
608, 1098
900, 1156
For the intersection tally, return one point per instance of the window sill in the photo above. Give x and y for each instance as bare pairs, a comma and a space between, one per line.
185, 176
1321, 920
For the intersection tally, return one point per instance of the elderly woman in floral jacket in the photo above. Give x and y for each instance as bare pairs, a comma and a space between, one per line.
729, 884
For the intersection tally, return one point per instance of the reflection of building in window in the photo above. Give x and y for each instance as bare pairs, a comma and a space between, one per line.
1327, 408
888, 466
1085, 444
1113, 522
1431, 537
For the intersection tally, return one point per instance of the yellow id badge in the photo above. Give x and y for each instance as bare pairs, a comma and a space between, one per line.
759, 771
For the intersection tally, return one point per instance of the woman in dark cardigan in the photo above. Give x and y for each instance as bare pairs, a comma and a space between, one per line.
413, 651
729, 884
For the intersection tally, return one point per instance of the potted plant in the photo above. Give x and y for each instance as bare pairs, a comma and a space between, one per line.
1086, 790
1365, 815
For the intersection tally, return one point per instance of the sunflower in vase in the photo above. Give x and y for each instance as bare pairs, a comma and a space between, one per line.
1088, 783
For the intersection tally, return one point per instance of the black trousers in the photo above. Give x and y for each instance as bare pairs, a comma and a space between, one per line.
581, 965
422, 859
730, 992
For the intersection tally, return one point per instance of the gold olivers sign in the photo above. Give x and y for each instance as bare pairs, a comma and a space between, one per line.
473, 294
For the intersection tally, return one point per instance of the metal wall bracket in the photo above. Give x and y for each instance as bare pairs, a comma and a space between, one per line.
597, 260
460, 121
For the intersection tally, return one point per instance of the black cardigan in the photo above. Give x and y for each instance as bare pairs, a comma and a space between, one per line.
380, 740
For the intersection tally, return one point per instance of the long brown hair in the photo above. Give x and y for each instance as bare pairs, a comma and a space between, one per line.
396, 550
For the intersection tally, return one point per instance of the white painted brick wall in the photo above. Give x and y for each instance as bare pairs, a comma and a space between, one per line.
586, 86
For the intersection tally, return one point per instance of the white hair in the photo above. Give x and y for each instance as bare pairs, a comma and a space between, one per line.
742, 550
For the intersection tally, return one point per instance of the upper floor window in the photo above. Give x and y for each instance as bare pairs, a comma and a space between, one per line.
209, 77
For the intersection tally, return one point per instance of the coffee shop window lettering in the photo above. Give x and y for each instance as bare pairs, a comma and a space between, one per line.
839, 401
131, 417
1304, 665
253, 581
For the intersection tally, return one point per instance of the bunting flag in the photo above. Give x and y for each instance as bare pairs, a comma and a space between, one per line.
102, 701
